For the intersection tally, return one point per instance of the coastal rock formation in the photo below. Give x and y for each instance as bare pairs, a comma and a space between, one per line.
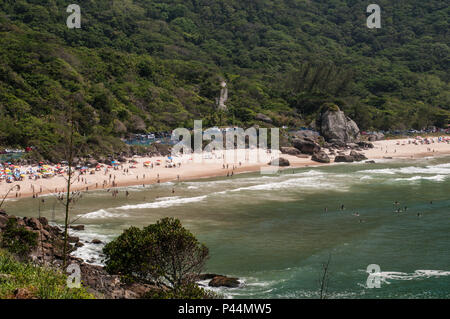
77, 227
223, 281
320, 157
290, 151
50, 238
281, 161
306, 145
336, 127
358, 156
344, 158
352, 157
49, 252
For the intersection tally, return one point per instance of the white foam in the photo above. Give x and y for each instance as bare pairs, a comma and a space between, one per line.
89, 252
437, 178
442, 169
173, 201
418, 274
101, 214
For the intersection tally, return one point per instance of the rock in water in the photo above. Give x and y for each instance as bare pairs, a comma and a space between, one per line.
320, 157
222, 281
335, 127
281, 162
77, 227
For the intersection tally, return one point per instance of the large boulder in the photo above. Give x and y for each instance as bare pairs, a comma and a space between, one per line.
306, 145
290, 150
357, 156
281, 161
320, 157
336, 126
344, 158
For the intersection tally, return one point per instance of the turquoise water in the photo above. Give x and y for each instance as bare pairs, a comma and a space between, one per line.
274, 233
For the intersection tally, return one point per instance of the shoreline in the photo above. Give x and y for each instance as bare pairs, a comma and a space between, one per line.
188, 171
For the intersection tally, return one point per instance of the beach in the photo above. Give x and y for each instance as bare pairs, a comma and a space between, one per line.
136, 173
274, 232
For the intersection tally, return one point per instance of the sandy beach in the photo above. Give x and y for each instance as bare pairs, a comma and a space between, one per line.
128, 174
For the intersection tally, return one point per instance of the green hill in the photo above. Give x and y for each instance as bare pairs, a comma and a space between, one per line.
144, 65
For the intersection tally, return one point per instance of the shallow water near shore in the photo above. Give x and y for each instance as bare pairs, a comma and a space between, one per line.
274, 232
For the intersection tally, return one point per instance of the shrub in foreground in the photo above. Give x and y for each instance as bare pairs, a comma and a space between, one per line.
164, 253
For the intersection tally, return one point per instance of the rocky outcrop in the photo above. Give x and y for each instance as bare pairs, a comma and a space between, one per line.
290, 151
357, 156
49, 252
223, 281
320, 157
77, 227
336, 127
344, 158
306, 145
263, 118
281, 161
352, 157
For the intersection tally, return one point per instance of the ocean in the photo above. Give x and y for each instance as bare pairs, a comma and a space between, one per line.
275, 232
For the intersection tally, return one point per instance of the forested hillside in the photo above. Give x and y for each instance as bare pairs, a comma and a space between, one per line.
144, 65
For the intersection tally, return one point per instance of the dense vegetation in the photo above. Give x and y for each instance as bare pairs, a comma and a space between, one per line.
146, 65
24, 280
164, 253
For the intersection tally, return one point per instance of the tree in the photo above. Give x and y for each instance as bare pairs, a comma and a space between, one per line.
165, 253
